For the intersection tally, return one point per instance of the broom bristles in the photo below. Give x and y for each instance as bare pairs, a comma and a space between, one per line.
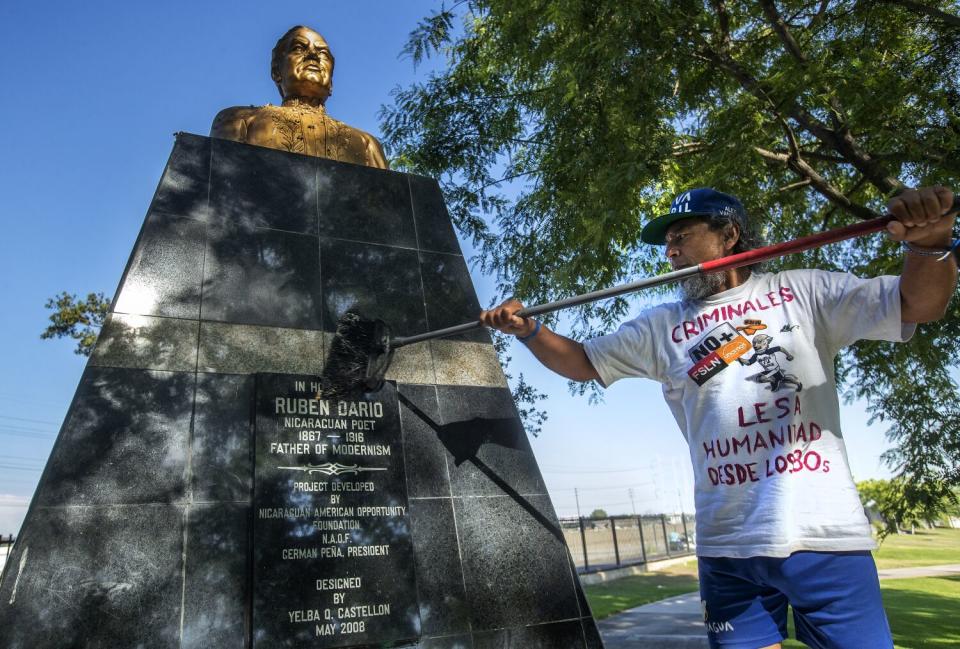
359, 356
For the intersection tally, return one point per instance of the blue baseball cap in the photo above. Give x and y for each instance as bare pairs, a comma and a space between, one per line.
702, 201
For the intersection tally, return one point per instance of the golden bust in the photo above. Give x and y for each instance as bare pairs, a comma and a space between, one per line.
302, 68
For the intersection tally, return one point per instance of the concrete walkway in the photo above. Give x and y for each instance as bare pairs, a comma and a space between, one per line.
677, 623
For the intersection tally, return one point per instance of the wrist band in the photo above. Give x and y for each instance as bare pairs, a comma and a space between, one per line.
940, 253
536, 330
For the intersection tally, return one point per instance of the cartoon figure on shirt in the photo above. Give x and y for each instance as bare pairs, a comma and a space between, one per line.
772, 374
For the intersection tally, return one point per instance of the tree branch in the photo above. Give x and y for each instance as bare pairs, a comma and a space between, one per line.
780, 27
720, 6
821, 12
796, 185
818, 182
842, 142
922, 8
508, 178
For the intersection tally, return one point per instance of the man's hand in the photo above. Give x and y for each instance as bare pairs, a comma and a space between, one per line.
504, 318
921, 217
926, 283
564, 356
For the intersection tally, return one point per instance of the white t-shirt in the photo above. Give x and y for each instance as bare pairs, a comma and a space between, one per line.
748, 375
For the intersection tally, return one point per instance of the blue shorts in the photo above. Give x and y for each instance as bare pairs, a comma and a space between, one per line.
835, 598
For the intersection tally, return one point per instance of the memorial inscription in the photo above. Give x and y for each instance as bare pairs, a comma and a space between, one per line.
333, 559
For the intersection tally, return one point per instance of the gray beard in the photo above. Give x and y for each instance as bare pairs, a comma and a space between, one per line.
697, 287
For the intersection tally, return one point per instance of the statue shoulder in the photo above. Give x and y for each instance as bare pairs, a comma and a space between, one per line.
232, 123
374, 151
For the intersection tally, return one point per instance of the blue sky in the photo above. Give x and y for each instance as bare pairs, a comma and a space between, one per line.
93, 94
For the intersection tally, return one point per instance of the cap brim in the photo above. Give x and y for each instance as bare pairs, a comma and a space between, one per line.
655, 231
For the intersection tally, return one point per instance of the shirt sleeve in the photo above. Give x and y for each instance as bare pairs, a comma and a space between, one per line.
628, 352
853, 309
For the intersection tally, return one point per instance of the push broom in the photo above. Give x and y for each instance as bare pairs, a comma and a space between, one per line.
363, 349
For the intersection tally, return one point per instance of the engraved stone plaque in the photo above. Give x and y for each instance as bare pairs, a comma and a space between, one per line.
333, 560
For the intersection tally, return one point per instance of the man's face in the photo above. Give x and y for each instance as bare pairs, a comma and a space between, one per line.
306, 69
691, 242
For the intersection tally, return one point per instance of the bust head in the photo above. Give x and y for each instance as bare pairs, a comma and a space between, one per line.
302, 65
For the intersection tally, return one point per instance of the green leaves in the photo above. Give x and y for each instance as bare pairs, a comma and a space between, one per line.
904, 504
80, 320
558, 128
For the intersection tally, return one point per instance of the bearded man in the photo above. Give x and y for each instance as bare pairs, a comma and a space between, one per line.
779, 520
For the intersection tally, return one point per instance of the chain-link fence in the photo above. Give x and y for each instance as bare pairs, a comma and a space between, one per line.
6, 546
615, 541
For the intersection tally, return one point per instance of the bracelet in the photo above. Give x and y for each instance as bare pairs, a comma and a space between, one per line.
536, 330
940, 253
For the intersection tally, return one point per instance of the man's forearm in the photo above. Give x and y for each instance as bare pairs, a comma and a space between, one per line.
924, 220
563, 355
926, 285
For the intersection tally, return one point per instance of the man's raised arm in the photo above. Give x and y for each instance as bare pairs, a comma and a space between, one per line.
926, 228
564, 356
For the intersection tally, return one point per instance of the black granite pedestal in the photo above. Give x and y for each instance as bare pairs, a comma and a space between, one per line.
156, 523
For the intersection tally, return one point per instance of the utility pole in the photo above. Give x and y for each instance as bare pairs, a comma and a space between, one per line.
577, 496
633, 505
677, 482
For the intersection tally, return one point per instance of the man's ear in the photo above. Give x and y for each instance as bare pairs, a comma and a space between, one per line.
731, 235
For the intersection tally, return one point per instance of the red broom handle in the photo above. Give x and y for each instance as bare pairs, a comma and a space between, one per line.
805, 243
797, 245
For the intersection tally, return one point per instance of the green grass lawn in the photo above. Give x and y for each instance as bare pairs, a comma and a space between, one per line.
622, 594
922, 612
925, 548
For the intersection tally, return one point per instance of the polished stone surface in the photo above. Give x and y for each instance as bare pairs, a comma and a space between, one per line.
164, 274
233, 348
146, 342
488, 449
558, 635
215, 587
220, 446
365, 204
505, 580
262, 277
144, 531
444, 608
185, 185
459, 362
255, 187
434, 229
124, 440
375, 282
427, 475
95, 577
449, 295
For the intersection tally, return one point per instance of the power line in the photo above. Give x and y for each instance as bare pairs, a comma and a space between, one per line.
589, 472
27, 429
21, 468
621, 486
563, 467
32, 421
46, 436
20, 457
20, 399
